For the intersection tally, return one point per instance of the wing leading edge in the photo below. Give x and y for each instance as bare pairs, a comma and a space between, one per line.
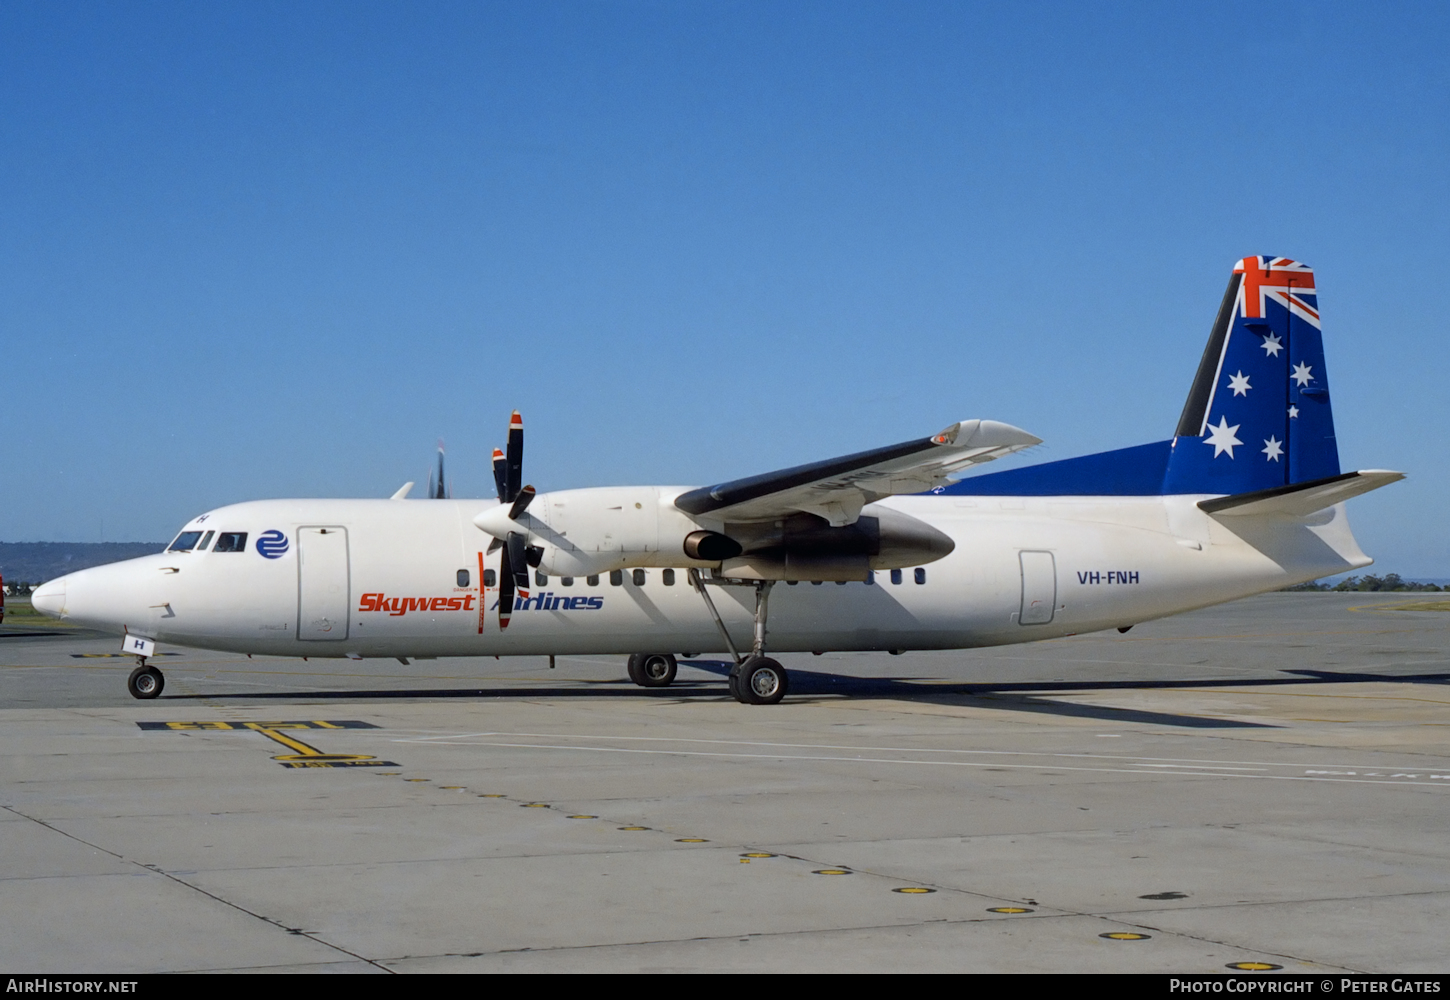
837, 488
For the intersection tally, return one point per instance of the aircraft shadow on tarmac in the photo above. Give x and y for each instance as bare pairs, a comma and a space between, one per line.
1010, 696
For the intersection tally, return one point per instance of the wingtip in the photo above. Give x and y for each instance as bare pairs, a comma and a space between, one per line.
996, 434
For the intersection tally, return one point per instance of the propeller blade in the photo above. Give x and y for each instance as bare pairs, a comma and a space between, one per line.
442, 493
518, 561
521, 502
500, 474
515, 477
494, 545
505, 590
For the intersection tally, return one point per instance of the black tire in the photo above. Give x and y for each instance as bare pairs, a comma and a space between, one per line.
145, 683
633, 668
657, 670
763, 681
733, 682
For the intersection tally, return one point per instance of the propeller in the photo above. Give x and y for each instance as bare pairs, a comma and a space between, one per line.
516, 556
437, 491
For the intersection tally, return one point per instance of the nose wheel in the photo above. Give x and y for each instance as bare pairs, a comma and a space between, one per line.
145, 682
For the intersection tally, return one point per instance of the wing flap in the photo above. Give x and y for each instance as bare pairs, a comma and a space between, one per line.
837, 488
1301, 499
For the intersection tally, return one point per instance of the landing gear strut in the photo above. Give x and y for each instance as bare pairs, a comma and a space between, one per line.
755, 679
145, 682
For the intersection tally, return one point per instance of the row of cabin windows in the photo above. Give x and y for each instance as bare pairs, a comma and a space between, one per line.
616, 578
196, 541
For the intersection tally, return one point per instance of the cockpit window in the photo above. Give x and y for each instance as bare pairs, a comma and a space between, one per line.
231, 541
185, 542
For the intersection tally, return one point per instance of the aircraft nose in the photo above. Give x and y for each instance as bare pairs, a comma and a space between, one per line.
49, 598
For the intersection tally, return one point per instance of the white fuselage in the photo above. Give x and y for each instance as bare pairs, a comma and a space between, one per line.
382, 578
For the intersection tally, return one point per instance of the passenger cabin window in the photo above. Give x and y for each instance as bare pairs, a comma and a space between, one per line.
593, 580
870, 577
462, 579
896, 576
231, 541
490, 578
920, 575
185, 542
639, 578
540, 580
616, 578
567, 581
668, 576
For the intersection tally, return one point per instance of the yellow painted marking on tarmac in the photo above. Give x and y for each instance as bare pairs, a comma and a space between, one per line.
416, 779
757, 854
1253, 966
691, 840
309, 756
198, 725
914, 890
286, 741
832, 871
1009, 909
325, 725
634, 828
452, 788
534, 805
1125, 936
581, 816
491, 795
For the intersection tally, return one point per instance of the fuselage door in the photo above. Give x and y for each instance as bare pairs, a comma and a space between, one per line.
322, 584
1039, 588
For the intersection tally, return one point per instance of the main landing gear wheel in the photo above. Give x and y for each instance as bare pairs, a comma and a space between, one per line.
653, 670
759, 681
145, 683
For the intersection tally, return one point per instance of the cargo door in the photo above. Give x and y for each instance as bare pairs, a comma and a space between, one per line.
323, 600
1039, 588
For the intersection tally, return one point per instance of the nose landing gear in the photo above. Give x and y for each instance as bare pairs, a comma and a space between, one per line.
145, 682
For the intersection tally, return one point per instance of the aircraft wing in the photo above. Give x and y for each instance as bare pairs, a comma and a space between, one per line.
837, 488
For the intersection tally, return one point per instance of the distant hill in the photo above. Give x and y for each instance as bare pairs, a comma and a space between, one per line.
36, 562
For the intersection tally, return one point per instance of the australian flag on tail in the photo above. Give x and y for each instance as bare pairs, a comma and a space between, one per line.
1258, 415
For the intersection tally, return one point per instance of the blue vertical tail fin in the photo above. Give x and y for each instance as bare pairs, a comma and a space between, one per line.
1258, 415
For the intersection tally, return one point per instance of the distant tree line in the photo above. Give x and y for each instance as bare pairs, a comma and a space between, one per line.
1369, 582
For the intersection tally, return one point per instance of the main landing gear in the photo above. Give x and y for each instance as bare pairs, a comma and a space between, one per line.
755, 679
653, 670
145, 682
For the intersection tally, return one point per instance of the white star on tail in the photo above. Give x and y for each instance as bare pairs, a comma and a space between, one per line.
1273, 448
1239, 384
1271, 345
1222, 437
1303, 374
1293, 412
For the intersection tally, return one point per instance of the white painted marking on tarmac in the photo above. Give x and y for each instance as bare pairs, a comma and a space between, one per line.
1180, 767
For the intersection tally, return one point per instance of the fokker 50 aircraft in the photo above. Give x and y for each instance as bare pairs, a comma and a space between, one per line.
879, 550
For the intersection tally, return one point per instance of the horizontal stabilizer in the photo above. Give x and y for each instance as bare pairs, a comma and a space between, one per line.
1301, 499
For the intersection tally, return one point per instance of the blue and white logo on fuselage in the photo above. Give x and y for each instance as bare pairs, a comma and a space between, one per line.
272, 544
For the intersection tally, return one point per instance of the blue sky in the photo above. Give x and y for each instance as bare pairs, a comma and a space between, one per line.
254, 250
